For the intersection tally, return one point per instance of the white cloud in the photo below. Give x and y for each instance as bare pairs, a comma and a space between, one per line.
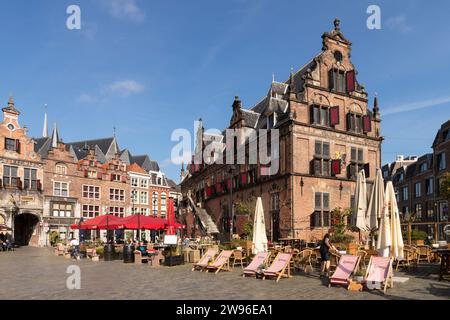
124, 9
417, 105
124, 87
399, 23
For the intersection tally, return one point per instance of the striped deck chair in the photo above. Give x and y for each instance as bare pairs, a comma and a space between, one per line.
259, 259
380, 271
347, 265
204, 261
279, 266
222, 262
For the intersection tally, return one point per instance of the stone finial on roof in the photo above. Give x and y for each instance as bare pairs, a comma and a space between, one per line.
11, 108
337, 24
237, 104
376, 109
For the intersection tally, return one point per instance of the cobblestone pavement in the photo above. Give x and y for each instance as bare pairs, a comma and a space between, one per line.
35, 273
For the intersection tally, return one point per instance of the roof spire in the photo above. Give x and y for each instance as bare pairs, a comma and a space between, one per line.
55, 136
45, 129
273, 76
376, 109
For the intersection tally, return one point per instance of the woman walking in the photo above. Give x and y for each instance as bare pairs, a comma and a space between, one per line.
325, 248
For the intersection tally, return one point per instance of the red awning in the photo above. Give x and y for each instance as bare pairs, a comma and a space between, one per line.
103, 222
144, 222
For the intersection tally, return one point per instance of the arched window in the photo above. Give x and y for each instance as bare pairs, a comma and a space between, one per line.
61, 168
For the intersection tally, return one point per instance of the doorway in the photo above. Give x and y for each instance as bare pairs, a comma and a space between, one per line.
24, 227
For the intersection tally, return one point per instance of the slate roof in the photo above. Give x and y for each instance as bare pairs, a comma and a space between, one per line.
103, 144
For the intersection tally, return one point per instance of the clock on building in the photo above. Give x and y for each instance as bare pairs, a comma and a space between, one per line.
11, 126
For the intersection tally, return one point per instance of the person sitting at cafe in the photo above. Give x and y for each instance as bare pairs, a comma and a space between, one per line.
142, 248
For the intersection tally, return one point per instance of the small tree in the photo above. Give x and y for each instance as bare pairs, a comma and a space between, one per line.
445, 186
339, 217
247, 230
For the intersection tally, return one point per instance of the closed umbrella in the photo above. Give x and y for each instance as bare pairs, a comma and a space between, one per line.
396, 230
384, 235
360, 208
259, 229
376, 202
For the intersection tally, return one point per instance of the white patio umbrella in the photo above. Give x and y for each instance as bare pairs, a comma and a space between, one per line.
376, 202
396, 230
259, 229
384, 235
360, 208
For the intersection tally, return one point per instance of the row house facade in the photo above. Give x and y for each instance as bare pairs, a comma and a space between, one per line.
47, 184
327, 134
417, 182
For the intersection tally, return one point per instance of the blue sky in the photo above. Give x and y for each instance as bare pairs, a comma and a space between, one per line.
148, 67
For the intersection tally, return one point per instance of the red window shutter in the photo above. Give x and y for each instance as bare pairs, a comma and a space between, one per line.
112, 177
17, 146
351, 81
336, 167
85, 173
334, 116
367, 124
124, 179
244, 178
99, 175
208, 192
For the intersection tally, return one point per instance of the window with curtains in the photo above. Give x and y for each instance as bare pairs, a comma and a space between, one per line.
357, 163
10, 177
143, 197
30, 179
321, 216
321, 162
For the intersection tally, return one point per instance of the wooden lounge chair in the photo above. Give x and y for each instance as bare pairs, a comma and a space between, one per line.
222, 262
380, 270
347, 265
259, 259
279, 266
204, 261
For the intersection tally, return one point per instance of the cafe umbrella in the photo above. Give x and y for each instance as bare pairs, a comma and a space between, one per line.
396, 230
376, 203
259, 229
360, 205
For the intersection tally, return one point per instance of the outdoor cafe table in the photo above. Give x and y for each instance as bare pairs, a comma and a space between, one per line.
293, 242
445, 262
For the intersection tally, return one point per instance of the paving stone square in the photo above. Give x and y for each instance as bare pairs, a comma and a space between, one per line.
36, 273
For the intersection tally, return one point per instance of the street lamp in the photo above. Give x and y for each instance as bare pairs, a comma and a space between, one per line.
231, 170
133, 199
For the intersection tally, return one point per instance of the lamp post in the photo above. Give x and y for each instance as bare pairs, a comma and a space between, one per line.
231, 170
133, 199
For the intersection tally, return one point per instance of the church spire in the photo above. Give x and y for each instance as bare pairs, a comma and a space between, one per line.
376, 109
45, 128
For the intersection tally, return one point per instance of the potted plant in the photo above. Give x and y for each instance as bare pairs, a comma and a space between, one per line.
359, 275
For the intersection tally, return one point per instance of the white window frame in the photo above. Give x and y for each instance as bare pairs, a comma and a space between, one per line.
61, 189
95, 192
